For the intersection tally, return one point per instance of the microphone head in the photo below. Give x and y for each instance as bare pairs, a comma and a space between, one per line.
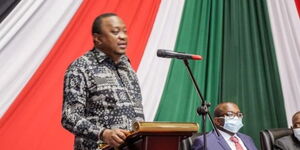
178, 55
161, 52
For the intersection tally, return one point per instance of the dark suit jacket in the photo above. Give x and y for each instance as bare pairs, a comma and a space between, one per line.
289, 142
218, 143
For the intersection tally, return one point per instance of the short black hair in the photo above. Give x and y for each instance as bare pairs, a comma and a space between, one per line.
98, 20
219, 110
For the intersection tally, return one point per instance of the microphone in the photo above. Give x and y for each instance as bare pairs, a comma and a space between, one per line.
178, 55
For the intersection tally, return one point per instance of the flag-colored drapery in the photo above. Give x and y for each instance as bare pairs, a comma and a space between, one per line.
251, 53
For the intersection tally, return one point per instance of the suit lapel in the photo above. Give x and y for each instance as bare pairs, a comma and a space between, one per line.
222, 142
245, 141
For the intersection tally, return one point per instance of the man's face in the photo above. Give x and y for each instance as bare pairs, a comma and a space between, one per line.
296, 121
228, 109
113, 37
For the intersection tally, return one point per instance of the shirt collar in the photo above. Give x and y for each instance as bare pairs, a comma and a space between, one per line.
101, 56
225, 135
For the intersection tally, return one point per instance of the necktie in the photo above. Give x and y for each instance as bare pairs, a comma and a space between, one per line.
235, 140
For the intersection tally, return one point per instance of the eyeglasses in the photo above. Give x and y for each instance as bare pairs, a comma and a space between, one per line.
231, 114
296, 126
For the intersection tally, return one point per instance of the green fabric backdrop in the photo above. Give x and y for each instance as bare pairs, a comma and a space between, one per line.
250, 77
235, 40
200, 33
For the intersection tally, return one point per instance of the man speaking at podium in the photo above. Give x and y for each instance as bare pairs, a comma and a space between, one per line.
102, 96
228, 120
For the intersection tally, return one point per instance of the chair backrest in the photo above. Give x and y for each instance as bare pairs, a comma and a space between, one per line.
269, 136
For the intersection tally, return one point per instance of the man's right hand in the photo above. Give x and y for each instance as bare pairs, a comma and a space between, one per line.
114, 137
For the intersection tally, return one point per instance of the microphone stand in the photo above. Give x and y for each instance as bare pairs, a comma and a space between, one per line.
203, 109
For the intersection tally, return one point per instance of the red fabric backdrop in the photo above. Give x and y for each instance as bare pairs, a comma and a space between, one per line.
298, 6
33, 120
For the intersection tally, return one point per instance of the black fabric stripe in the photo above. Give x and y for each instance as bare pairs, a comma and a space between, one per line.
6, 6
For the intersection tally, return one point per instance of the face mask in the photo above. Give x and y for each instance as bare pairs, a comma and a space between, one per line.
297, 133
233, 124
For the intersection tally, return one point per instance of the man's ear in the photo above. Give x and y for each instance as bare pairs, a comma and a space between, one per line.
218, 121
97, 39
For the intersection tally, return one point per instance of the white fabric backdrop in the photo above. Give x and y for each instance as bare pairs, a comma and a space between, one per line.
285, 25
153, 71
26, 37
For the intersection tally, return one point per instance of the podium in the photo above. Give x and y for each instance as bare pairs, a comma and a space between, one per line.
157, 136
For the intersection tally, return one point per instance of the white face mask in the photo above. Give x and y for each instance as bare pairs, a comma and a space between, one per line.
297, 133
233, 124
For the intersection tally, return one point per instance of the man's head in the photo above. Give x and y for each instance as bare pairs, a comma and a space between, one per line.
296, 120
110, 35
296, 125
227, 117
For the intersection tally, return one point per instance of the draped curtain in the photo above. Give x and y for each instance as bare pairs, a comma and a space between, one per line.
250, 75
27, 35
285, 24
6, 7
152, 71
200, 33
33, 118
239, 65
244, 45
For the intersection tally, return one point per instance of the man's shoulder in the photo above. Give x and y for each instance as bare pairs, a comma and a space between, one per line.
81, 61
287, 142
245, 137
247, 140
213, 141
288, 137
209, 135
284, 139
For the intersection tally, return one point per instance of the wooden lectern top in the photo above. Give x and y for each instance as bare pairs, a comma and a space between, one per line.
160, 128
164, 127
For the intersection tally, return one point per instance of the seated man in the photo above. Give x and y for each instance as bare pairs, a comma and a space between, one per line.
228, 120
291, 142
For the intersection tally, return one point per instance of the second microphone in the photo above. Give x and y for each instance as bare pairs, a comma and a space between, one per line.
178, 55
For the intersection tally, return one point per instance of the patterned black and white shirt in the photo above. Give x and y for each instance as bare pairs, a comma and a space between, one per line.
99, 94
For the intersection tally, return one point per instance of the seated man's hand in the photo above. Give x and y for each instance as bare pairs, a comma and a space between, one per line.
114, 137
